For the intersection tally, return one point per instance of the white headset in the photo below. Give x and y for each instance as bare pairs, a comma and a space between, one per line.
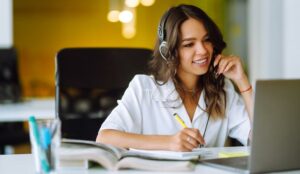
163, 46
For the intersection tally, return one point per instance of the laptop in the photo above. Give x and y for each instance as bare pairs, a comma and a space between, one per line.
275, 142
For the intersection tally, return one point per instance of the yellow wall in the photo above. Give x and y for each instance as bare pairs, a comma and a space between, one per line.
41, 28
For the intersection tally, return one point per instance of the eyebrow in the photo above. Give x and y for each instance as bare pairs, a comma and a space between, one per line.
188, 39
192, 38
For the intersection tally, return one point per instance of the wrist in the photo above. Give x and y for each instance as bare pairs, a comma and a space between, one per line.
246, 90
243, 84
160, 142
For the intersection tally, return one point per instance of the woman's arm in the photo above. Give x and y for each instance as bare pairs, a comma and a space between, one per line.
231, 67
184, 140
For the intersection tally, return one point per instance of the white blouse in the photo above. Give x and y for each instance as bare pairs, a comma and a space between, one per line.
147, 108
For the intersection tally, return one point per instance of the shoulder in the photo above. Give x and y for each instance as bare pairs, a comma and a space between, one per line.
142, 82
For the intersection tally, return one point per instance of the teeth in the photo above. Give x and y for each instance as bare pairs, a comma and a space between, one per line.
200, 61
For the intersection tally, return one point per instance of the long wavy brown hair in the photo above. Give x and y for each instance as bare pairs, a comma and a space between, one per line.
162, 70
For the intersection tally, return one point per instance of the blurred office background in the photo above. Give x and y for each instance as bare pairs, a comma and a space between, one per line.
265, 33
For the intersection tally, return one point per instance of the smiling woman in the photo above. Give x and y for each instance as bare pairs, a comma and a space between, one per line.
192, 38
189, 79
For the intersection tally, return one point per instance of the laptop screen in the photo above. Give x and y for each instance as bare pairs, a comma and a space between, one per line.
275, 143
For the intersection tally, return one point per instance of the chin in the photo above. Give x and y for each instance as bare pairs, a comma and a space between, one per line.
202, 72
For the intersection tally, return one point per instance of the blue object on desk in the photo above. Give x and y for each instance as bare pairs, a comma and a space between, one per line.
45, 137
36, 139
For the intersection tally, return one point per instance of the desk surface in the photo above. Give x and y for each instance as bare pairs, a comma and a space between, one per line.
40, 108
15, 164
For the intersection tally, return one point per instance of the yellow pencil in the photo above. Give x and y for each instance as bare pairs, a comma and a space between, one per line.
180, 121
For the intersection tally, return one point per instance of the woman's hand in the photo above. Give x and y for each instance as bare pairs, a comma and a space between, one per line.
186, 140
231, 67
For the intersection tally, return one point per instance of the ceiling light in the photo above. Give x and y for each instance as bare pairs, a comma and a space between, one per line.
125, 16
132, 3
113, 16
147, 2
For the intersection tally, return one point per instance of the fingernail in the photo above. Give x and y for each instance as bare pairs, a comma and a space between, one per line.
216, 75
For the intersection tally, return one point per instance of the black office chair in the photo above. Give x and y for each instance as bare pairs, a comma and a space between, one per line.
88, 83
11, 133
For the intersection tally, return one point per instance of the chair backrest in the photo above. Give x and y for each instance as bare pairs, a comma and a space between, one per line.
10, 90
88, 83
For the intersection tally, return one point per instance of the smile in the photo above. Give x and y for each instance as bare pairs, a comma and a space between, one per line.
201, 61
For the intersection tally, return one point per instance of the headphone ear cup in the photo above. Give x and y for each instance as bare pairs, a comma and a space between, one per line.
164, 50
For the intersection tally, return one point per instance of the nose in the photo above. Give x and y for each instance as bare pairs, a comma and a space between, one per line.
201, 48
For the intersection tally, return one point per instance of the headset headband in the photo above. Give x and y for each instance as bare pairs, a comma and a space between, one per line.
161, 27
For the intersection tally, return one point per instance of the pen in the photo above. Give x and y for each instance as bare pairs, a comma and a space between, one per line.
180, 121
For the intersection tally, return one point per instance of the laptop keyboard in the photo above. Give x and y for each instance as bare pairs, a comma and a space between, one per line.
236, 162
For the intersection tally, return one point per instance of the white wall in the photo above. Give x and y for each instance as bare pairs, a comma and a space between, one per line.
291, 38
273, 35
6, 19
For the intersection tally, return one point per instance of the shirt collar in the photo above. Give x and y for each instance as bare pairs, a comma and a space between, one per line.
168, 93
165, 92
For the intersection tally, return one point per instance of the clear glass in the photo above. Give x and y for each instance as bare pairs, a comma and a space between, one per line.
44, 138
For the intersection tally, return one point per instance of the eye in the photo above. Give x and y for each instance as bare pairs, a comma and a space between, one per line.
207, 39
188, 44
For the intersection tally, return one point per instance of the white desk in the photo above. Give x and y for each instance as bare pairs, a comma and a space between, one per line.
16, 164
40, 108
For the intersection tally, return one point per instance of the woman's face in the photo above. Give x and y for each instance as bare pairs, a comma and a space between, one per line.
195, 49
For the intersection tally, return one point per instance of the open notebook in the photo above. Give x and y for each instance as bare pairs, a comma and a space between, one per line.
80, 154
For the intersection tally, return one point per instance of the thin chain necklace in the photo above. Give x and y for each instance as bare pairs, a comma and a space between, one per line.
191, 92
180, 87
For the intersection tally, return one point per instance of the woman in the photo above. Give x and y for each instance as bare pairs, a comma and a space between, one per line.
190, 79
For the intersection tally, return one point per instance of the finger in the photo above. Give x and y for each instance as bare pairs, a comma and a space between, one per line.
188, 146
222, 65
191, 136
193, 141
195, 134
217, 60
200, 137
228, 67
